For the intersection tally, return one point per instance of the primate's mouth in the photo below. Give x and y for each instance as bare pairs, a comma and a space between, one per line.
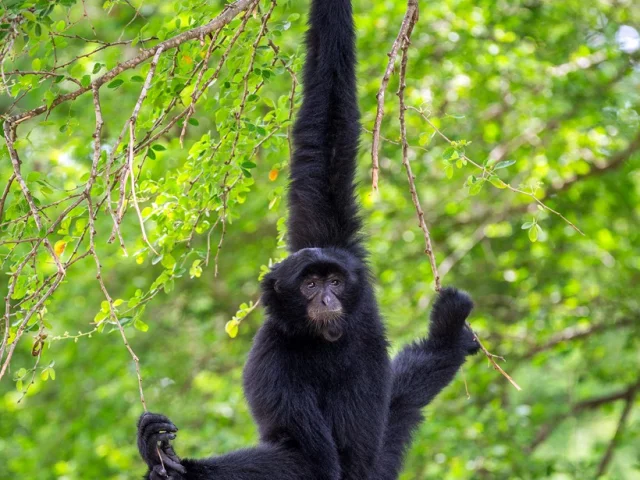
325, 317
327, 323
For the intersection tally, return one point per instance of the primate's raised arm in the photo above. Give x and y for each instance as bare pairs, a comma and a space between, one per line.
322, 207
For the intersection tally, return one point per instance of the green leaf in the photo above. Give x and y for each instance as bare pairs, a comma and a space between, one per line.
448, 170
159, 148
533, 233
115, 83
168, 261
232, 328
475, 188
449, 153
28, 15
497, 182
504, 164
140, 325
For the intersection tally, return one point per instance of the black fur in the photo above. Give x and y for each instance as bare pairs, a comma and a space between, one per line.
421, 370
326, 409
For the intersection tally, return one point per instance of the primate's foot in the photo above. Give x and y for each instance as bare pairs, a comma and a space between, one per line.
448, 326
155, 433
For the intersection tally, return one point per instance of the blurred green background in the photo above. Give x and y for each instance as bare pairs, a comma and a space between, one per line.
550, 88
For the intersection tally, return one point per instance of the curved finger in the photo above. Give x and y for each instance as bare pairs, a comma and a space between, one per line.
156, 428
167, 449
148, 417
172, 464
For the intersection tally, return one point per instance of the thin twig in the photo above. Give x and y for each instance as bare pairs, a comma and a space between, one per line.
487, 172
416, 201
409, 21
608, 454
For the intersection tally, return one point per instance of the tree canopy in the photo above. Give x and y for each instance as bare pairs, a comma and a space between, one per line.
143, 170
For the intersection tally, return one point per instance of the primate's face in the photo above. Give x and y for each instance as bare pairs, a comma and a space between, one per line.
323, 293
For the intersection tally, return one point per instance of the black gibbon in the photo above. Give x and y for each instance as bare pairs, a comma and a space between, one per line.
328, 401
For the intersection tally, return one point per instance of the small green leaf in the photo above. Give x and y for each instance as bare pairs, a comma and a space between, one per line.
36, 64
475, 188
232, 328
115, 83
448, 170
140, 325
196, 269
505, 164
159, 148
449, 153
533, 233
497, 182
137, 78
96, 68
168, 261
194, 122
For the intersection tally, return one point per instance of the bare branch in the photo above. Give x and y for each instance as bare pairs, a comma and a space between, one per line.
575, 333
410, 19
585, 405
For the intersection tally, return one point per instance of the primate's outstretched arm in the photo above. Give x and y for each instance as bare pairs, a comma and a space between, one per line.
421, 370
322, 208
306, 454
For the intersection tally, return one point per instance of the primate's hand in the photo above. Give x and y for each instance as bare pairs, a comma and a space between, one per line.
155, 433
448, 327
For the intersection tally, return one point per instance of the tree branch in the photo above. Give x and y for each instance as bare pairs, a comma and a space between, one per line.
409, 21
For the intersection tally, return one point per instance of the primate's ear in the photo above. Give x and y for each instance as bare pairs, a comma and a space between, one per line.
276, 286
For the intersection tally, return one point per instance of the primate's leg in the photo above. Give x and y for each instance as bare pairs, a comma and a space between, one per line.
421, 370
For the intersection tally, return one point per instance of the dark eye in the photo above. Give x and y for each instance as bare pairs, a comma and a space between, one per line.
335, 282
311, 285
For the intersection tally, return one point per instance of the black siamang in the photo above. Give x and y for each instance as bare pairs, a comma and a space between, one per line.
329, 403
